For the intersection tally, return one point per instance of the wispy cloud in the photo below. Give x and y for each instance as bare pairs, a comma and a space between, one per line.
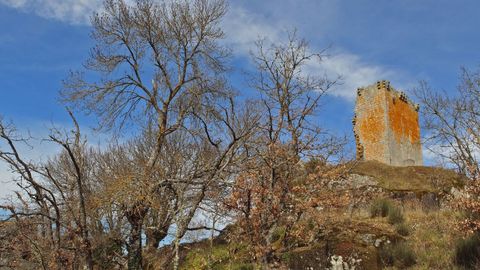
353, 71
435, 154
243, 27
71, 11
244, 24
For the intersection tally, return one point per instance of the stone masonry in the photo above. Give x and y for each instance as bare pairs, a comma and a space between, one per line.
386, 126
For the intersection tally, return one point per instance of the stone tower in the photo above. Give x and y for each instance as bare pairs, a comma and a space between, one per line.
386, 126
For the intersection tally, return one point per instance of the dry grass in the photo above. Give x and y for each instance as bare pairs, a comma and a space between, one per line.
413, 178
433, 237
432, 234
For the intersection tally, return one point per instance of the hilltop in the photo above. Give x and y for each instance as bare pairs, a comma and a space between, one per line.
423, 230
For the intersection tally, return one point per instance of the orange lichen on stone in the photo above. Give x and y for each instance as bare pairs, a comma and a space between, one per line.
372, 126
403, 119
386, 126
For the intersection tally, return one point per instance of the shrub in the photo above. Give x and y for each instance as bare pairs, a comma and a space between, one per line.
386, 255
312, 165
402, 229
247, 266
404, 255
106, 249
400, 255
277, 234
380, 208
383, 208
395, 215
467, 252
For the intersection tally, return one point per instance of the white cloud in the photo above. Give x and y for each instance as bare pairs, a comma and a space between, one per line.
243, 27
71, 11
353, 71
435, 154
244, 24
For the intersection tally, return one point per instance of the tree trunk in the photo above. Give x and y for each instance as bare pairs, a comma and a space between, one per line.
154, 236
176, 260
134, 247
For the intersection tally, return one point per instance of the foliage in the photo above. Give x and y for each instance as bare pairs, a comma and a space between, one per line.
433, 237
266, 193
404, 256
380, 207
158, 68
453, 127
207, 258
262, 201
267, 223
402, 229
219, 256
105, 253
385, 208
246, 266
467, 252
399, 254
395, 215
470, 206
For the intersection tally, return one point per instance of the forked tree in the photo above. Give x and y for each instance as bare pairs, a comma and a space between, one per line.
160, 68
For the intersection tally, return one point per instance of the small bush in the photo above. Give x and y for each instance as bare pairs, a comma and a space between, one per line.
404, 255
247, 266
313, 164
395, 215
467, 252
400, 255
402, 229
277, 234
380, 208
386, 255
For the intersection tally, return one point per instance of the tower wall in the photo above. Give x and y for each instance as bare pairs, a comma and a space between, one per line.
386, 126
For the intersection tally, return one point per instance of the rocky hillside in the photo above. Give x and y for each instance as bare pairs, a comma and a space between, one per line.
398, 217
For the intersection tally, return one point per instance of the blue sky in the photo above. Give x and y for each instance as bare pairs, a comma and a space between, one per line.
401, 41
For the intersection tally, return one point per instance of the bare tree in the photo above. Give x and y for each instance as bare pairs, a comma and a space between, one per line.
290, 93
161, 67
76, 160
191, 164
157, 72
452, 123
452, 132
53, 193
264, 192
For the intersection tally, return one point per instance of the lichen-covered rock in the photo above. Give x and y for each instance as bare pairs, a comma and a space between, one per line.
314, 258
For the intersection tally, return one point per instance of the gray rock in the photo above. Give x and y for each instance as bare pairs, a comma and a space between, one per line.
368, 238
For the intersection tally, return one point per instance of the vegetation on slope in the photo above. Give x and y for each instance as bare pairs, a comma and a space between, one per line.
385, 233
411, 178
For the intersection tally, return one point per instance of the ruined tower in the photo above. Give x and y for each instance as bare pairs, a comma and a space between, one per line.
386, 126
